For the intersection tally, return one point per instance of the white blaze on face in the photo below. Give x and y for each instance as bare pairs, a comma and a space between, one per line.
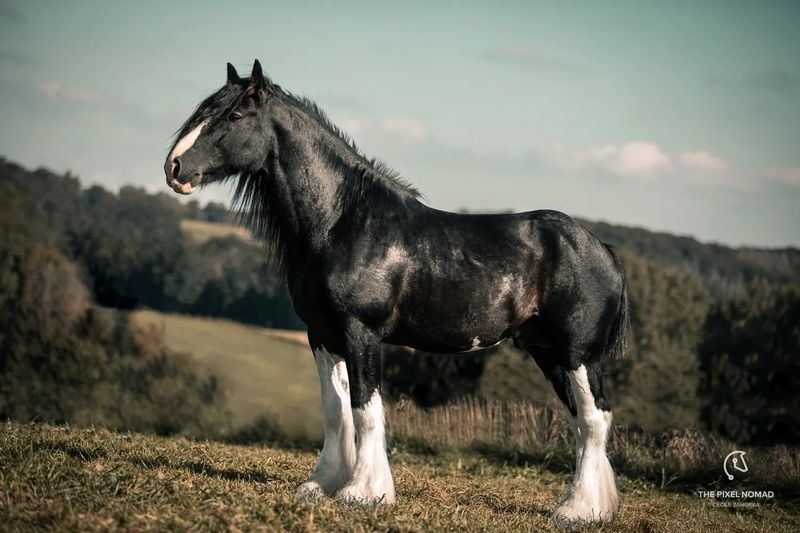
181, 147
187, 141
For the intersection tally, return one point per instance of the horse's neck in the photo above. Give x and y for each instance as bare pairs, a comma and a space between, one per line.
306, 186
310, 174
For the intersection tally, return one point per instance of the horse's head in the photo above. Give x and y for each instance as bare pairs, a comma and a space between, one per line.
227, 134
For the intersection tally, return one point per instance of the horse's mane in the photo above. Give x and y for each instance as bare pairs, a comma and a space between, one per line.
365, 181
370, 173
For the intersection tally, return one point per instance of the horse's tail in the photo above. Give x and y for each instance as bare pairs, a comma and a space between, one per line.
618, 336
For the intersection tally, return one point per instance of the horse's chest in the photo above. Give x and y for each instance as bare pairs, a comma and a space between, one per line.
337, 294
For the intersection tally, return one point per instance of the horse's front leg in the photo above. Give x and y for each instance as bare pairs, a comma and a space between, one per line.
372, 478
337, 459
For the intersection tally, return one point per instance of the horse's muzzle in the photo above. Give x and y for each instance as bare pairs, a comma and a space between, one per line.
181, 188
172, 169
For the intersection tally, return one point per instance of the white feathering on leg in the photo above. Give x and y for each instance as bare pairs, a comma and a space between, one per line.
336, 461
372, 479
592, 495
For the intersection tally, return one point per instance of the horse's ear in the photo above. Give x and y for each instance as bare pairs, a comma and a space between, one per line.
233, 76
257, 75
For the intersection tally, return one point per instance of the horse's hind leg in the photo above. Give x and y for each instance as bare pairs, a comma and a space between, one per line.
593, 493
337, 459
592, 496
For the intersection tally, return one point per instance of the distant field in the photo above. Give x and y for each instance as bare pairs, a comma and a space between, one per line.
203, 231
265, 372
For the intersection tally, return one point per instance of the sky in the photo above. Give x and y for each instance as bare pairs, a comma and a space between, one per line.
673, 116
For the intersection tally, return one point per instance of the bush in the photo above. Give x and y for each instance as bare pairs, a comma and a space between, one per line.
751, 360
64, 360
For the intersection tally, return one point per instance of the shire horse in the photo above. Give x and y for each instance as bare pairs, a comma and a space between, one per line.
366, 262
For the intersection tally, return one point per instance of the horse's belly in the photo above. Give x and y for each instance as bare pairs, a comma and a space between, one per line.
432, 342
446, 332
472, 310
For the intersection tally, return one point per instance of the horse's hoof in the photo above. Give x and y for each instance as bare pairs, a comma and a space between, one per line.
575, 515
310, 491
357, 496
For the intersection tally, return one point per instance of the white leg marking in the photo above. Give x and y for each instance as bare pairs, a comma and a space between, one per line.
372, 480
337, 459
593, 493
579, 442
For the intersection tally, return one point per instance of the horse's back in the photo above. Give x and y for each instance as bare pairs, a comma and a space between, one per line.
530, 233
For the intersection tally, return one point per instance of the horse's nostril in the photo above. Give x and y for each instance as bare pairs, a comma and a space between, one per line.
176, 168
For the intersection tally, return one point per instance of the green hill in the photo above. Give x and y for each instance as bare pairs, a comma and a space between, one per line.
266, 373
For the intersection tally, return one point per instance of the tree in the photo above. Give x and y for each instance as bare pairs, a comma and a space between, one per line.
751, 359
64, 360
655, 385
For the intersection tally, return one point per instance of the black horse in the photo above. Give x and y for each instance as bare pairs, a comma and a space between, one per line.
367, 263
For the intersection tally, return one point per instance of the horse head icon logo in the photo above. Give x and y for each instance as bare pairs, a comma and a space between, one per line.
736, 459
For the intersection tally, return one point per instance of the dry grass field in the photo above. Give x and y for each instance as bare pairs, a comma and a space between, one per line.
473, 465
62, 478
202, 231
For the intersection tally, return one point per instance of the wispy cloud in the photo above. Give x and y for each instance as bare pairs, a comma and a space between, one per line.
405, 129
409, 128
775, 80
641, 160
74, 94
18, 59
342, 100
783, 175
702, 160
646, 162
528, 57
10, 15
352, 126
72, 98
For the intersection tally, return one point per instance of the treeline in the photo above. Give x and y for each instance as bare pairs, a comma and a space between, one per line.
132, 252
723, 270
63, 359
750, 365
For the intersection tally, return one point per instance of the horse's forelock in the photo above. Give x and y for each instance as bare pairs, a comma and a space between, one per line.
222, 102
211, 108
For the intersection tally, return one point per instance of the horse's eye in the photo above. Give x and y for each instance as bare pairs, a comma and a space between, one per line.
233, 117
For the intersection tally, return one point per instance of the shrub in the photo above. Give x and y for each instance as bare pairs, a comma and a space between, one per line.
63, 360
